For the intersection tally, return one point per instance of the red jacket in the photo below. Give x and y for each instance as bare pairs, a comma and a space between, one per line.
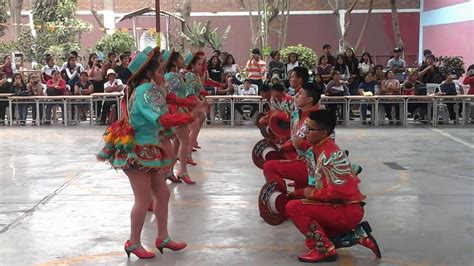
330, 175
469, 81
298, 122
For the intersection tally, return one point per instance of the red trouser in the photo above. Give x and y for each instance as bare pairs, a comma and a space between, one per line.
286, 169
332, 220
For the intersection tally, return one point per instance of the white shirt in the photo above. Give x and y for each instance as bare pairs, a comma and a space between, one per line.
250, 91
290, 66
47, 70
117, 82
231, 69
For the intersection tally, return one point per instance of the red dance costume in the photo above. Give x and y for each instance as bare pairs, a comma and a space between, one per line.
334, 207
294, 167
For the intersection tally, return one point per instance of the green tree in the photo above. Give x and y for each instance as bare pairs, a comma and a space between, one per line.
3, 16
305, 55
58, 31
118, 42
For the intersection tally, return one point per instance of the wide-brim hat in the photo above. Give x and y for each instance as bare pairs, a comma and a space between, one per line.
279, 124
188, 58
140, 61
110, 71
265, 150
166, 55
272, 203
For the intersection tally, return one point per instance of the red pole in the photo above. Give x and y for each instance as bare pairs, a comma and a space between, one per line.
157, 17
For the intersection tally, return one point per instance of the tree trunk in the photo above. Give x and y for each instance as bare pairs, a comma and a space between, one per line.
15, 10
347, 24
364, 26
287, 8
335, 9
185, 10
396, 25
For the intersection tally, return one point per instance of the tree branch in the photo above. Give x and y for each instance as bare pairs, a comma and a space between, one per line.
364, 26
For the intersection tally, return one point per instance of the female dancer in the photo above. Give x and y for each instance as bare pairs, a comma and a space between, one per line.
133, 144
193, 83
177, 86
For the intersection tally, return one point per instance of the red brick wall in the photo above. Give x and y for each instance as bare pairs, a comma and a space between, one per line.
124, 6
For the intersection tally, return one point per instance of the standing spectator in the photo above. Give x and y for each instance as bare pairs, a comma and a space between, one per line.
123, 73
229, 66
391, 86
397, 65
367, 87
342, 67
5, 87
110, 64
76, 55
276, 66
426, 53
366, 65
112, 85
48, 69
292, 63
21, 90
97, 78
8, 67
324, 69
327, 52
214, 68
34, 85
72, 71
429, 72
256, 68
55, 86
336, 87
353, 65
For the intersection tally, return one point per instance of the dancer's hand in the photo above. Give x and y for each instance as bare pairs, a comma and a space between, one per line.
308, 192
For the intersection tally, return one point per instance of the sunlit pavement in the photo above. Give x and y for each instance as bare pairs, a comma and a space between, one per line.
58, 206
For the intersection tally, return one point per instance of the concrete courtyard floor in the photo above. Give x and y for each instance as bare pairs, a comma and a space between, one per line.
59, 206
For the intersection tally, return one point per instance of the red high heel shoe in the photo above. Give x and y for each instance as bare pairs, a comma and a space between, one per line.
167, 243
150, 207
131, 248
197, 146
191, 162
186, 179
173, 178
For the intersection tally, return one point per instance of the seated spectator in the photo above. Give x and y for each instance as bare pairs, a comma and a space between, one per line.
276, 65
450, 86
73, 69
21, 90
123, 73
365, 65
34, 85
414, 87
391, 86
275, 79
112, 85
367, 88
469, 79
48, 69
318, 79
342, 67
324, 69
5, 87
76, 55
246, 89
8, 67
336, 87
83, 87
327, 51
55, 86
214, 69
379, 76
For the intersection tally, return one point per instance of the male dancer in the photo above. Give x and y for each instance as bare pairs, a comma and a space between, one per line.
329, 210
294, 167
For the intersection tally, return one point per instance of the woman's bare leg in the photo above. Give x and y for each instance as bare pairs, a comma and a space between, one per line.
182, 134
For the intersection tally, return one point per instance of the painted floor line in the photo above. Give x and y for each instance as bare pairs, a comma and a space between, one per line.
449, 136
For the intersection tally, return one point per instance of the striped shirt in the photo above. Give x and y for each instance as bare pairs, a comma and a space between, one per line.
255, 69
